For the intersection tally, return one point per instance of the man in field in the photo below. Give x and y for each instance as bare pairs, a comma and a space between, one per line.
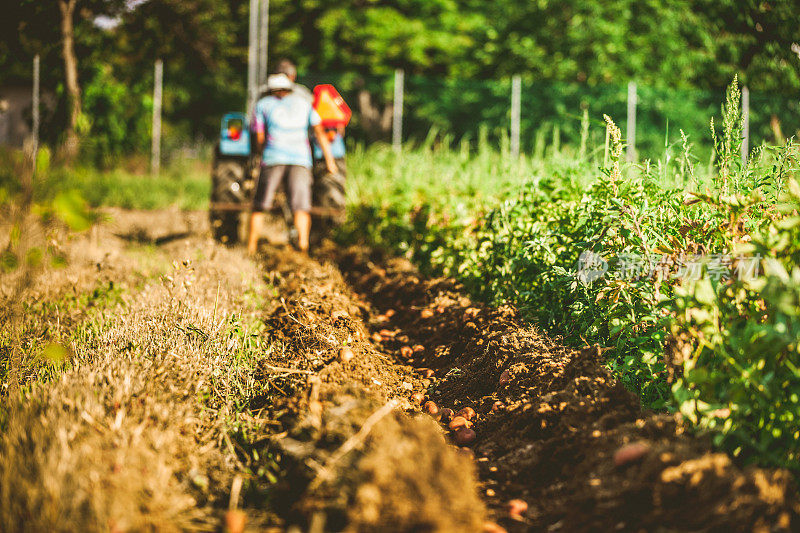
282, 121
328, 188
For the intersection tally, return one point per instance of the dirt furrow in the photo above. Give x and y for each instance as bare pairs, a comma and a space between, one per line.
199, 390
560, 445
353, 454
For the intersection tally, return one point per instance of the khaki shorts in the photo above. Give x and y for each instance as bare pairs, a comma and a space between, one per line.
298, 182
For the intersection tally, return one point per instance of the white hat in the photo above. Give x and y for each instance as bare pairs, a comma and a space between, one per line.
278, 82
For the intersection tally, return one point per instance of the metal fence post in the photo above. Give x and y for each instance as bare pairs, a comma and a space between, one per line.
155, 153
252, 59
745, 124
632, 100
584, 134
35, 111
516, 104
263, 42
397, 112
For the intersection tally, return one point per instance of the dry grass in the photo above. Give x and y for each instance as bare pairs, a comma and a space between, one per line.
131, 437
150, 422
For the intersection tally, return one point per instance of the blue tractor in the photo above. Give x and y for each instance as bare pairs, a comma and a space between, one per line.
233, 177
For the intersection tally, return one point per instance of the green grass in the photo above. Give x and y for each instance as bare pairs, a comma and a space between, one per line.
182, 186
48, 328
459, 181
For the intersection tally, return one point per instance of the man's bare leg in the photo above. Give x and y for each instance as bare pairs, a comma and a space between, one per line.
256, 222
302, 221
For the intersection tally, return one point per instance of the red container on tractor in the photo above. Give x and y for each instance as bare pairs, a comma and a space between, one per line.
332, 108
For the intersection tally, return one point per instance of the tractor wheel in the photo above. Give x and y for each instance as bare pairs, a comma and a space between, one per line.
328, 193
226, 187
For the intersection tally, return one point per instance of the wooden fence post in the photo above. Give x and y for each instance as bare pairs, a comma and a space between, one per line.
632, 101
516, 104
397, 114
252, 58
35, 112
155, 152
263, 42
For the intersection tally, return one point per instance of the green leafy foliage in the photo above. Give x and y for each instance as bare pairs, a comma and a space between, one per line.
118, 118
739, 345
720, 347
71, 208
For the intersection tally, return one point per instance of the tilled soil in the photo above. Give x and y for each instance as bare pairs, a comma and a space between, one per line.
560, 445
355, 452
344, 422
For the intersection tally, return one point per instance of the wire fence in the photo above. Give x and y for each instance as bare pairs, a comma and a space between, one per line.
552, 112
455, 111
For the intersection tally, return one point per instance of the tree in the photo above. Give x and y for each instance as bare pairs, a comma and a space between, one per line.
663, 43
754, 38
67, 8
34, 26
369, 37
204, 47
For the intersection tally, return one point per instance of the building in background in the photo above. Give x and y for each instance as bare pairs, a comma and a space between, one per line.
15, 113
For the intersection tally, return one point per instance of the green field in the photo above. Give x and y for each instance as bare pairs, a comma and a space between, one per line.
686, 274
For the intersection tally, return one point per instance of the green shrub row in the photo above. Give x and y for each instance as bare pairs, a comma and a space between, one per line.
690, 280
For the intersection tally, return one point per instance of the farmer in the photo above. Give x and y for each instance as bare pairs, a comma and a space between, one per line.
282, 120
327, 186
